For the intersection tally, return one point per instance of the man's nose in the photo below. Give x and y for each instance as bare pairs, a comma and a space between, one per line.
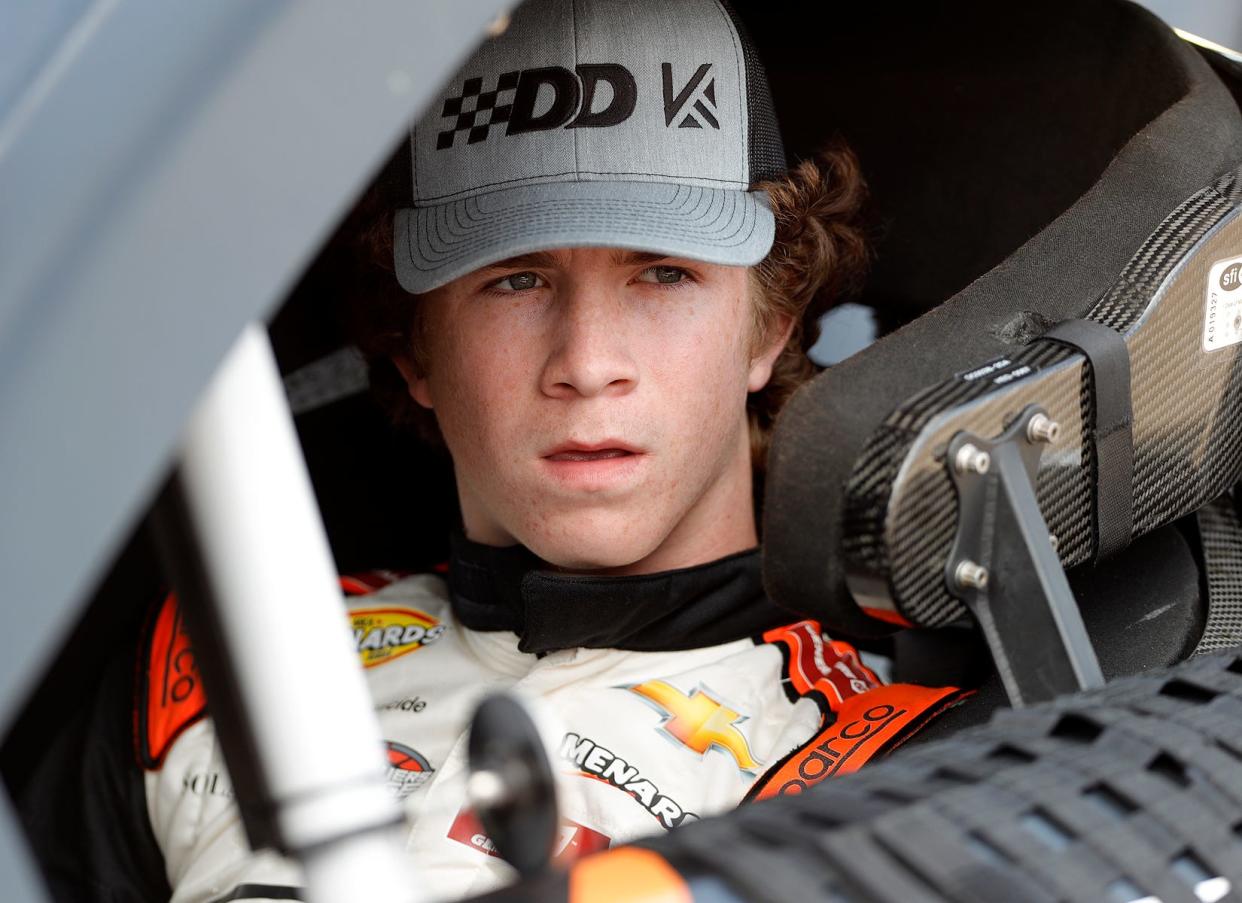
591, 353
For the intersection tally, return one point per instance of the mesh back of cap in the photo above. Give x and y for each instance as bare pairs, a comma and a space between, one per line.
766, 151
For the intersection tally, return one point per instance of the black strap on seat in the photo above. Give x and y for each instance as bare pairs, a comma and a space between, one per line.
1108, 362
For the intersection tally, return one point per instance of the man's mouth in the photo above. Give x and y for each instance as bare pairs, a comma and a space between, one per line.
600, 455
608, 464
603, 450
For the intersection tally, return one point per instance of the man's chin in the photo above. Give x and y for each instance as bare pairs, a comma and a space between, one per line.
587, 558
593, 544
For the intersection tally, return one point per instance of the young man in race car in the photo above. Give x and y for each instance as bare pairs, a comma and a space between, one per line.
603, 281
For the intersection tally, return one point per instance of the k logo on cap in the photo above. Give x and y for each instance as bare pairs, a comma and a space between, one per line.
700, 89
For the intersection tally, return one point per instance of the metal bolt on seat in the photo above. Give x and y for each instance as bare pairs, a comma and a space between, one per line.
1043, 428
971, 459
970, 575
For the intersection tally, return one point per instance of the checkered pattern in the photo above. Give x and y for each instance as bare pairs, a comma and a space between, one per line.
468, 108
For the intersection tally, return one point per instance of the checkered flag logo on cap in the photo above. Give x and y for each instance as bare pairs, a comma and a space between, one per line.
475, 111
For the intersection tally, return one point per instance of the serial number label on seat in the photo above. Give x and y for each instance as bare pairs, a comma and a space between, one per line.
997, 372
1222, 324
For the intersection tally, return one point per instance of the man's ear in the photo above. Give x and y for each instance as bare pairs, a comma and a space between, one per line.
415, 381
762, 363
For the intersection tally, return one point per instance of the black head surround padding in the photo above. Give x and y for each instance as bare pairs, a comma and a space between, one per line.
1019, 155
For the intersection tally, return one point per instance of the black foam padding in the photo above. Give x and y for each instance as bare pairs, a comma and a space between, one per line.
1166, 127
977, 123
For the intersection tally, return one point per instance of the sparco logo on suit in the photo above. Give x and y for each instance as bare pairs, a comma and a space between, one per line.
592, 95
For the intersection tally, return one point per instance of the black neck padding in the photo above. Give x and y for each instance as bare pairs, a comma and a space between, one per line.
705, 605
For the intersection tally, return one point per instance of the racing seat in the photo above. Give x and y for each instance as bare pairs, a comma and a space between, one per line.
1024, 176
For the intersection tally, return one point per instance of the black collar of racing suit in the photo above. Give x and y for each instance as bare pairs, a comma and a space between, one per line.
689, 608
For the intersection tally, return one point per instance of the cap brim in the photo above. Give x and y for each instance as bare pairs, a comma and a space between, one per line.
438, 243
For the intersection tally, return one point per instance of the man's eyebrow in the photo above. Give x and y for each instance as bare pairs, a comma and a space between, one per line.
544, 259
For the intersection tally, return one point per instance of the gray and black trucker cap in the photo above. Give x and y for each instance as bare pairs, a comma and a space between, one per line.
612, 123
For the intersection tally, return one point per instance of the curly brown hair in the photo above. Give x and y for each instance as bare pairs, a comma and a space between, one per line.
818, 260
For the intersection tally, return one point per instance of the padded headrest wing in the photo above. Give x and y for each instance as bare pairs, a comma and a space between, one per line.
1176, 146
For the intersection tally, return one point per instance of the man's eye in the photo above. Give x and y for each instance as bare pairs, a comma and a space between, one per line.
663, 275
518, 282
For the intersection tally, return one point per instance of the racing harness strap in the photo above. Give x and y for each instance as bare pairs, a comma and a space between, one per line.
1108, 363
860, 718
168, 692
864, 727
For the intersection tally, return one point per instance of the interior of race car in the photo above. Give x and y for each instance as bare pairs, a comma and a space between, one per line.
1029, 166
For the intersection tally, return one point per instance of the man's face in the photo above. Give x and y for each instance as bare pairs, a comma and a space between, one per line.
593, 401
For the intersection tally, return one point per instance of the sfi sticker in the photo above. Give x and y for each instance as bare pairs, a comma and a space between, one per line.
1222, 325
383, 634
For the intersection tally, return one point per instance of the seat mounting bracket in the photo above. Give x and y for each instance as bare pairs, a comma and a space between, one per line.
1004, 564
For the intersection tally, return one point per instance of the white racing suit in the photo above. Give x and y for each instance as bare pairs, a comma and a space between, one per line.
643, 741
